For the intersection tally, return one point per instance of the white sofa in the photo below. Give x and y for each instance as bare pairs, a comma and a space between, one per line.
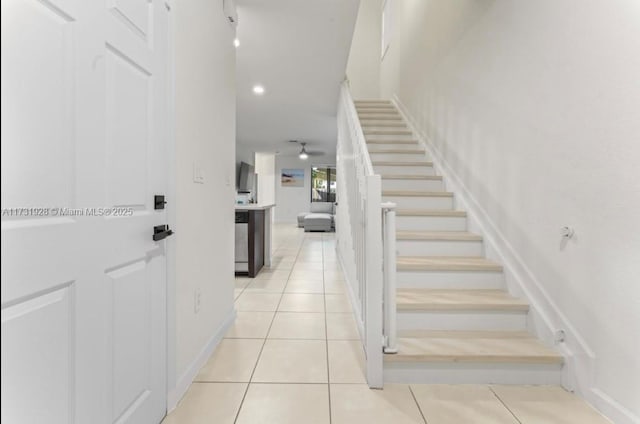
320, 218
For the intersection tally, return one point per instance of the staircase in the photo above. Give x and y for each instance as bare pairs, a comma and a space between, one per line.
456, 321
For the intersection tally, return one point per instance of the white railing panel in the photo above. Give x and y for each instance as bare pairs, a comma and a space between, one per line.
374, 283
368, 261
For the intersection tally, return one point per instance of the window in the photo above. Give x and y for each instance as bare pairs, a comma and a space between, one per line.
323, 184
387, 26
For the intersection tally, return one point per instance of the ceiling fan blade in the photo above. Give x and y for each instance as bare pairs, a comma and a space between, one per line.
315, 153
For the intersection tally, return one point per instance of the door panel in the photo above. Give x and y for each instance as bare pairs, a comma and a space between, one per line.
83, 295
38, 165
136, 305
135, 87
128, 121
134, 14
32, 261
37, 160
37, 358
131, 340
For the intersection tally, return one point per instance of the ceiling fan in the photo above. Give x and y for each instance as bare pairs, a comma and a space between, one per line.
304, 153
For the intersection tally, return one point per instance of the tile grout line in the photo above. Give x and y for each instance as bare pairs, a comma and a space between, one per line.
417, 404
326, 331
504, 404
265, 383
264, 342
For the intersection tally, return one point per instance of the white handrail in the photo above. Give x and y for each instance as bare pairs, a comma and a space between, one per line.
357, 128
365, 242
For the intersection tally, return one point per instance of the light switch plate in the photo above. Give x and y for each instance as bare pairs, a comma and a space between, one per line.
198, 175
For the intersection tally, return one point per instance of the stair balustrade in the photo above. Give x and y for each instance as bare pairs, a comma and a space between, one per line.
366, 240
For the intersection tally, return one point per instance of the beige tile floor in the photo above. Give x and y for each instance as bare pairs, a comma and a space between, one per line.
294, 356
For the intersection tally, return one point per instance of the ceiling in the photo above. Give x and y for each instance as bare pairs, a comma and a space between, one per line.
297, 50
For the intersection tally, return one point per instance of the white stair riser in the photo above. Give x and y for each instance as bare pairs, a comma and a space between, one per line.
431, 202
417, 185
463, 321
373, 103
481, 279
391, 145
400, 170
431, 223
386, 137
399, 157
366, 102
460, 285
440, 248
472, 373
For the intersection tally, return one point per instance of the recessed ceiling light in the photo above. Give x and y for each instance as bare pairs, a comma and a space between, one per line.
258, 89
236, 42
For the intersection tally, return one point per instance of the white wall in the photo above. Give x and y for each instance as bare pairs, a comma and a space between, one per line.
290, 201
536, 107
363, 66
245, 153
266, 170
205, 132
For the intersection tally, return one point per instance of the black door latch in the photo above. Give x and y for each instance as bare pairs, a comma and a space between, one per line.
161, 232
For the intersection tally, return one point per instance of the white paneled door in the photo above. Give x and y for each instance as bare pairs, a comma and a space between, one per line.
84, 139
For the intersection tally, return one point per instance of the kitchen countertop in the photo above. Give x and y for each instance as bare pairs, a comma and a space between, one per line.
254, 206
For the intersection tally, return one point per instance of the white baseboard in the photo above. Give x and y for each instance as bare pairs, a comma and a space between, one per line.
184, 381
617, 413
545, 316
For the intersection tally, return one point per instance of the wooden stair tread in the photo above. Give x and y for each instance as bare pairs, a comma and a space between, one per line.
411, 177
380, 110
446, 263
381, 117
437, 235
375, 107
380, 123
458, 300
402, 163
398, 151
373, 102
369, 101
430, 212
389, 111
387, 132
411, 193
479, 348
392, 141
